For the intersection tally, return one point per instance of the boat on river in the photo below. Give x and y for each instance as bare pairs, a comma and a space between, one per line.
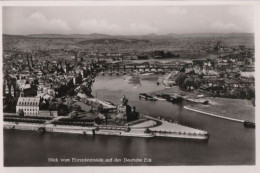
249, 124
157, 97
146, 97
202, 101
171, 98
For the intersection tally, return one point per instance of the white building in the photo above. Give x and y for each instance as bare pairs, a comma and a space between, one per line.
29, 105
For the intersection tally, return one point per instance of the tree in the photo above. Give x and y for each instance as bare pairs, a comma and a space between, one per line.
180, 79
200, 75
36, 82
21, 112
197, 83
76, 107
222, 74
69, 104
98, 121
43, 106
79, 78
249, 92
71, 92
62, 109
100, 108
53, 106
237, 75
188, 83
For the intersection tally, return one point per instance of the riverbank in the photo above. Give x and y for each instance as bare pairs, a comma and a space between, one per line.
232, 108
213, 115
175, 90
150, 128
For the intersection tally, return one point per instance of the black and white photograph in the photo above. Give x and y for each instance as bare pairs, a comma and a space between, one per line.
129, 85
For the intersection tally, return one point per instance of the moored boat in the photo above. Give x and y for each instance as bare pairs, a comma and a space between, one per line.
146, 97
249, 124
159, 98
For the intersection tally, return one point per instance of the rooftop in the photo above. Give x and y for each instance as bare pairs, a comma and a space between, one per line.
28, 101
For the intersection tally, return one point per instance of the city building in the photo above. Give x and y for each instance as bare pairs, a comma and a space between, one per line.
29, 105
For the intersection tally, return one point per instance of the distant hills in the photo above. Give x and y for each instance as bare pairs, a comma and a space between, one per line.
126, 43
148, 36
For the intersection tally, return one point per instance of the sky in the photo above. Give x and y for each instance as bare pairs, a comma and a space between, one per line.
128, 20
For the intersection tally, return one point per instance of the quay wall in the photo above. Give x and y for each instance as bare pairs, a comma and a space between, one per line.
93, 131
69, 129
21, 126
214, 115
177, 135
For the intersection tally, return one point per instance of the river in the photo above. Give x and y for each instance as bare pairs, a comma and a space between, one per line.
229, 143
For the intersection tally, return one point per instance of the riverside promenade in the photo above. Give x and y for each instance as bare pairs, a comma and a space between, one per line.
151, 127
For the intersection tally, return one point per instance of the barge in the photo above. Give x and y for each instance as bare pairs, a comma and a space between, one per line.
171, 98
146, 97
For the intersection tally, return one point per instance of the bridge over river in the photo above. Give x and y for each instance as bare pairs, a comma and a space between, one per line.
141, 68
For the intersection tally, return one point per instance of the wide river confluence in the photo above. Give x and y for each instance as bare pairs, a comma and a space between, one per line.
229, 143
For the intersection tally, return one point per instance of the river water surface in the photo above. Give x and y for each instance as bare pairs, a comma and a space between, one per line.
229, 143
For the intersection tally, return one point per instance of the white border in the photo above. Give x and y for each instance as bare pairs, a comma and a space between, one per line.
153, 169
124, 3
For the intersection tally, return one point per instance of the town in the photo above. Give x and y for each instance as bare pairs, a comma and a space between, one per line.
53, 87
